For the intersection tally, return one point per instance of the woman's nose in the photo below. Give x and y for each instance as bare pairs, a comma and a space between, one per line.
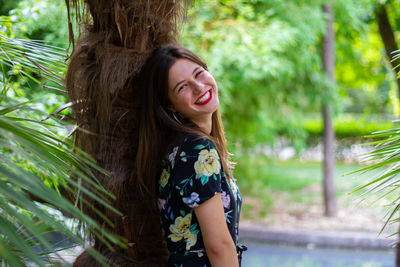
197, 86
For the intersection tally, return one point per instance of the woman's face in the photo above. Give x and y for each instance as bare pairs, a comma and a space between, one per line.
192, 91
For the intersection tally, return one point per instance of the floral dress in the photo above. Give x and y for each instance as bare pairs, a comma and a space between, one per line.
192, 173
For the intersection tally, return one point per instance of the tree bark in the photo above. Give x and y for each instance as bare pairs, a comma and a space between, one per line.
387, 35
328, 60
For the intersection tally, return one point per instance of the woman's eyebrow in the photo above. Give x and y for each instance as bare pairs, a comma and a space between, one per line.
195, 70
177, 85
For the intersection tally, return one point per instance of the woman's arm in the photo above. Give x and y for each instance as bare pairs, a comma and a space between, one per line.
220, 248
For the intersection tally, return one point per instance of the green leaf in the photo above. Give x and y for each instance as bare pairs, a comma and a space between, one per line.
198, 147
204, 179
193, 227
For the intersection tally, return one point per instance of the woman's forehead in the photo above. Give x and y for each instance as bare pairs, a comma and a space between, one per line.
181, 70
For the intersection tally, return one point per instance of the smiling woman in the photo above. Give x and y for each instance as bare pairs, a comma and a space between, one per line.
197, 197
195, 95
162, 145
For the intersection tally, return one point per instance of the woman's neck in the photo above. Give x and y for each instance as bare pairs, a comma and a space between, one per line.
204, 125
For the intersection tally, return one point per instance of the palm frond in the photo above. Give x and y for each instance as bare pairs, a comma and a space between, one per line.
29, 56
36, 162
385, 161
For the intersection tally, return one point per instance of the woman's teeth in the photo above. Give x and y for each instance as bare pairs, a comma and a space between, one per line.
203, 98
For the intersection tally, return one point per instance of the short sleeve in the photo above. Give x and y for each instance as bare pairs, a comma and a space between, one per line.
197, 171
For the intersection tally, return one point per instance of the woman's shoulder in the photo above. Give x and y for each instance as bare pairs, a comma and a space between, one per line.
196, 141
190, 145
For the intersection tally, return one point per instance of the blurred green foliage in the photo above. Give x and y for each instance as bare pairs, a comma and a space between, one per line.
255, 50
354, 127
41, 20
265, 55
7, 5
266, 58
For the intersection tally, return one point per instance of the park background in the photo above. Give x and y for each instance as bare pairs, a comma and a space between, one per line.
266, 57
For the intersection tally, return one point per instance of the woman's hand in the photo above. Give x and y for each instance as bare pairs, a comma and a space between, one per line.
220, 248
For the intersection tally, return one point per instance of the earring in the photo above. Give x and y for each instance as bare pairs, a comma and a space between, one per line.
176, 119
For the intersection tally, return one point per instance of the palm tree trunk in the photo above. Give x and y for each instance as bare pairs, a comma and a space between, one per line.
387, 35
328, 60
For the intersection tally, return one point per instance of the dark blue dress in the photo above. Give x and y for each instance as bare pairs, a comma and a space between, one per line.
192, 173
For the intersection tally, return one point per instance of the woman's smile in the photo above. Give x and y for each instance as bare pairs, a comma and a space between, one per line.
204, 98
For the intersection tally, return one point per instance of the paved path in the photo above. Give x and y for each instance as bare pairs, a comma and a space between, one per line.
360, 240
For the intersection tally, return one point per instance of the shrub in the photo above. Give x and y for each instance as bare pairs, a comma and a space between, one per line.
349, 127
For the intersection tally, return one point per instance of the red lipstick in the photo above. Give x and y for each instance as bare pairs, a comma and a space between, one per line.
208, 100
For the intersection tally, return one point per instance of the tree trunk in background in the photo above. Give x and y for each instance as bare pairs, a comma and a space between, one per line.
386, 32
387, 35
328, 60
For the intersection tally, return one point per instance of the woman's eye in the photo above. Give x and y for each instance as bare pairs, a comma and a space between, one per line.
180, 88
198, 73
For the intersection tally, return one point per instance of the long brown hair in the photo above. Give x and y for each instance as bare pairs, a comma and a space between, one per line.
158, 129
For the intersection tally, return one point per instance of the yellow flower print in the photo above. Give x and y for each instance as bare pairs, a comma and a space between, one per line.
191, 240
181, 229
207, 163
164, 177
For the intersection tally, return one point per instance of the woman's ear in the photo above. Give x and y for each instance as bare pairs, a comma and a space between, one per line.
171, 108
